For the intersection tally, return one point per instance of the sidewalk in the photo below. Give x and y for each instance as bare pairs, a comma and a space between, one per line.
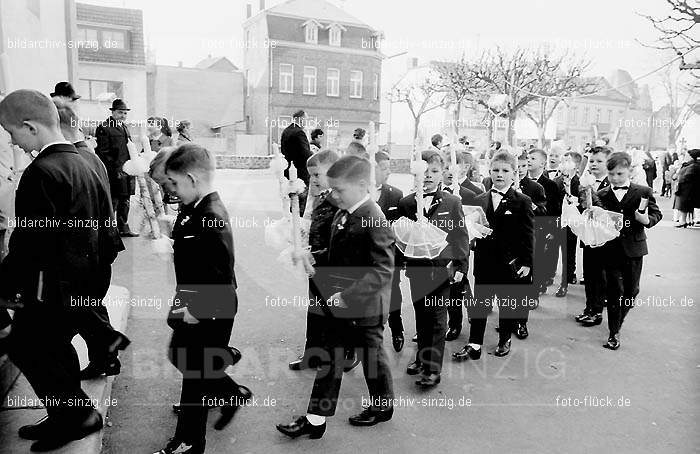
13, 417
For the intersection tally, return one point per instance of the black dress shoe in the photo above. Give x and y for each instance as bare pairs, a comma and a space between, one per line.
428, 381
351, 363
580, 317
542, 289
563, 289
467, 352
176, 446
573, 281
613, 342
120, 343
503, 349
414, 338
61, 434
301, 426
580, 281
397, 342
592, 320
95, 370
414, 368
452, 334
37, 430
229, 409
370, 417
521, 332
302, 363
128, 234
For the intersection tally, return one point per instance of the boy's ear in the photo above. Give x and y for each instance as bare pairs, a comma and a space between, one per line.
30, 125
192, 178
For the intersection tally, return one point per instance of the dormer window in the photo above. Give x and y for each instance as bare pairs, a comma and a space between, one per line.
335, 30
311, 27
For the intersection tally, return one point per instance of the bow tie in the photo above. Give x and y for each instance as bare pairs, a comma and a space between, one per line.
429, 194
621, 188
496, 191
598, 181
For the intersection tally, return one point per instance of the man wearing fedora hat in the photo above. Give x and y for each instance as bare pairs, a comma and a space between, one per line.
112, 139
64, 91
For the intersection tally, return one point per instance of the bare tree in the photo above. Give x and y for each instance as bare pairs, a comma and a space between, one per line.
558, 77
681, 98
421, 97
675, 31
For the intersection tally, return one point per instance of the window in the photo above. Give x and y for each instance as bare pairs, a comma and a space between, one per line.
560, 113
286, 78
584, 120
610, 116
334, 36
100, 90
87, 37
333, 82
572, 115
311, 33
375, 88
309, 80
355, 84
113, 39
597, 115
35, 7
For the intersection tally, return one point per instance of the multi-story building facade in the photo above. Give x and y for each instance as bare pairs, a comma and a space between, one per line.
310, 55
115, 66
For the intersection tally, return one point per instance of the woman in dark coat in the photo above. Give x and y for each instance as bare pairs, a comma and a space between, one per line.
688, 192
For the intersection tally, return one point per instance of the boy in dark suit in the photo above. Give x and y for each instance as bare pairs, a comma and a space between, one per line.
431, 279
467, 162
568, 183
388, 201
322, 214
547, 251
502, 260
623, 256
593, 274
205, 302
54, 263
361, 261
459, 291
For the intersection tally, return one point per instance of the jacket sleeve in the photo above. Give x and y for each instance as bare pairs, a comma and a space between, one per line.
103, 143
526, 230
540, 200
458, 238
379, 270
652, 210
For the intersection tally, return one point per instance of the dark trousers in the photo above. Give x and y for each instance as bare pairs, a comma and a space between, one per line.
541, 267
395, 321
459, 292
367, 341
568, 255
622, 284
200, 352
40, 346
121, 208
430, 302
93, 325
594, 280
512, 306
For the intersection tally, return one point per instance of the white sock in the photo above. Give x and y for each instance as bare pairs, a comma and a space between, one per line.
316, 420
475, 346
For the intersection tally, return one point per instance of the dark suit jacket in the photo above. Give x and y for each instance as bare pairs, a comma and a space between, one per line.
632, 240
389, 198
112, 150
555, 197
204, 260
446, 213
512, 238
466, 195
361, 255
294, 145
535, 191
319, 240
64, 231
471, 186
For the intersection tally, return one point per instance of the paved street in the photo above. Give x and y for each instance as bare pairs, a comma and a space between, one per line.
647, 393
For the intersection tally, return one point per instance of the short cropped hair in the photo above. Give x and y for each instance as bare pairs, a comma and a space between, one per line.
356, 148
539, 151
359, 133
182, 125
605, 150
190, 157
159, 160
504, 156
28, 105
619, 158
432, 157
381, 156
298, 114
523, 156
351, 168
67, 117
316, 132
694, 153
323, 157
575, 156
436, 140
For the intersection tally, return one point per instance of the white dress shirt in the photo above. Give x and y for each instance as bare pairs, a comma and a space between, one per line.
620, 193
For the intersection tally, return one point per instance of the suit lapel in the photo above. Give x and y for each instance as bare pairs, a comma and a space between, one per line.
434, 205
628, 195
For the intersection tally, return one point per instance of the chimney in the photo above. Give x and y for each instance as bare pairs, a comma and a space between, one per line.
262, 5
248, 10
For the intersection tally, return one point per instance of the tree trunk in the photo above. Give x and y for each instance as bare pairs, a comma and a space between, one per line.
541, 130
510, 130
